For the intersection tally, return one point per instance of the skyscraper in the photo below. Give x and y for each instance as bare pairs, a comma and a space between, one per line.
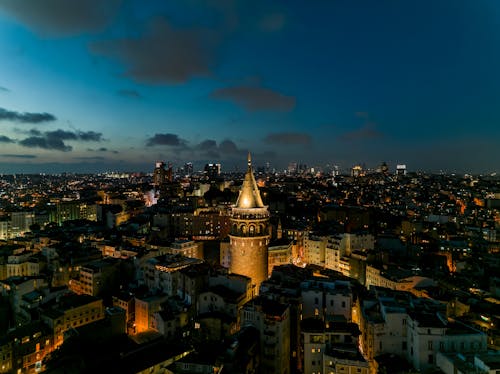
249, 236
159, 174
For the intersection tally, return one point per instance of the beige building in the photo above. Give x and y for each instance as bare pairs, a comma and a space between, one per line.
314, 249
145, 308
187, 248
249, 236
345, 360
21, 265
280, 253
415, 328
162, 273
93, 277
331, 347
70, 312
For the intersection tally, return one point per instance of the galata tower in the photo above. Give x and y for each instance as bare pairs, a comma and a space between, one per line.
249, 236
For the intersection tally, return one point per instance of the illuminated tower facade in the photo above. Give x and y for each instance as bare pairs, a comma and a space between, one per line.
249, 235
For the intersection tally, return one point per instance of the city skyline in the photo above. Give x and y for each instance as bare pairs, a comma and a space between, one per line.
116, 85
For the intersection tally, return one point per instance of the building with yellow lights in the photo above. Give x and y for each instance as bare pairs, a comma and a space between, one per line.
72, 311
249, 235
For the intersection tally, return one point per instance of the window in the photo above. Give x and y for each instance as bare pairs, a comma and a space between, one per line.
429, 345
316, 300
313, 350
404, 321
441, 346
404, 346
343, 304
430, 359
331, 302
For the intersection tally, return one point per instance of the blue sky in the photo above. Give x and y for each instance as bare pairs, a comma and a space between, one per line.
118, 84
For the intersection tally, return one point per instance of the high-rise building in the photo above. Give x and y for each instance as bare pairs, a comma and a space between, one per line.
249, 235
161, 175
401, 169
357, 171
20, 222
188, 168
292, 167
212, 171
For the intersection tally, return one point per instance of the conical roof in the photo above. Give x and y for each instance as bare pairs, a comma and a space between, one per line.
249, 194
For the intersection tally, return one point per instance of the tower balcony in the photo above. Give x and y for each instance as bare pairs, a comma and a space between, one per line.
250, 214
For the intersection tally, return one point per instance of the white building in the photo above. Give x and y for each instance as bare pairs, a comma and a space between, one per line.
161, 273
322, 298
319, 339
399, 323
314, 249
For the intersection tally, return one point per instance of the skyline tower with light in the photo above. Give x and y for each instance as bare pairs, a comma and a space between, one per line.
249, 235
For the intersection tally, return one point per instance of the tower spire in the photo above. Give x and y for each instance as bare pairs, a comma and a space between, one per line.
249, 194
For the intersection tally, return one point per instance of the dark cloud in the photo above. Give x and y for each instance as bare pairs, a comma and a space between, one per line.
211, 150
62, 17
89, 136
165, 139
6, 139
26, 117
61, 135
54, 140
367, 131
45, 143
102, 149
228, 146
207, 145
17, 156
164, 53
288, 138
129, 93
34, 132
4, 89
255, 98
84, 136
